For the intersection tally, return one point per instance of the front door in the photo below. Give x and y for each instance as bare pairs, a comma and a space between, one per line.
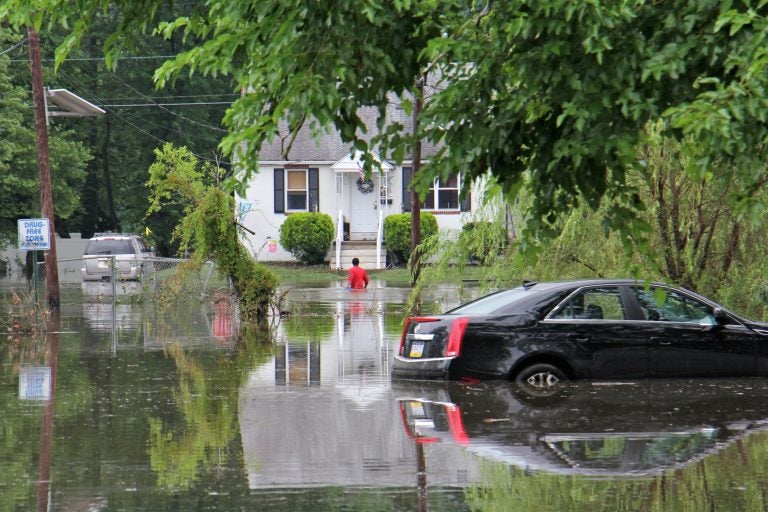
363, 208
685, 339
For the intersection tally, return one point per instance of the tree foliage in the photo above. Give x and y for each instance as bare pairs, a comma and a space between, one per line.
550, 96
207, 228
696, 240
19, 181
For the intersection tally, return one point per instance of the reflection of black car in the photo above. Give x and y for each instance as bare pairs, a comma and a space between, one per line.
636, 428
541, 333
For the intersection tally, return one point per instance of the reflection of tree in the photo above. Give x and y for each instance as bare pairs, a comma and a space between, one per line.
206, 400
309, 325
703, 485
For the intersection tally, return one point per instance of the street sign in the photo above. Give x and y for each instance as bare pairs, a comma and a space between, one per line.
34, 235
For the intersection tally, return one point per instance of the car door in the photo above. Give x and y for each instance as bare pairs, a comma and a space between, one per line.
592, 330
685, 340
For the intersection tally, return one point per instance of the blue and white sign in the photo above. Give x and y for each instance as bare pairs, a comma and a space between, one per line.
34, 235
35, 383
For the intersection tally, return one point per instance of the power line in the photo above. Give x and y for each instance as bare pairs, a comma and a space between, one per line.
169, 104
204, 125
175, 96
14, 47
91, 59
122, 117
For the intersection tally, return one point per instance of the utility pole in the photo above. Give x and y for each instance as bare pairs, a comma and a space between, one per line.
415, 261
44, 166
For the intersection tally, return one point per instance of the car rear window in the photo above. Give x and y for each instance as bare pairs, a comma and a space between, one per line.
115, 246
492, 303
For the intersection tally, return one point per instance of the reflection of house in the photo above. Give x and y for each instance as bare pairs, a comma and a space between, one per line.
353, 348
322, 412
310, 437
320, 174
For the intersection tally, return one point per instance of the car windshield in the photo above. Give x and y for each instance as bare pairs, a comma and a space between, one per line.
491, 303
113, 246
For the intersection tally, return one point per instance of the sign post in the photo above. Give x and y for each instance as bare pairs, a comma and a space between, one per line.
34, 235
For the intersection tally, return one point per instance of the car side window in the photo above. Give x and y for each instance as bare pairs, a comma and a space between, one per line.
674, 307
593, 304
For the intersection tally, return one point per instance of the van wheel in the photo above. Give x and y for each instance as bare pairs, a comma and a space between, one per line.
541, 376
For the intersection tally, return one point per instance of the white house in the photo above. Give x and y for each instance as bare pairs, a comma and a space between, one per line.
322, 175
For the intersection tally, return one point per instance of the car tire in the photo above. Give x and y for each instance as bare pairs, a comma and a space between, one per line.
541, 376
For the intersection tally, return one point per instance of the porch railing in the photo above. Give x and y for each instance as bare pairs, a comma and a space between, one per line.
339, 238
379, 234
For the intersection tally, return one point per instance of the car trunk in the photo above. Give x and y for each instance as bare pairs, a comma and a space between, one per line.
435, 336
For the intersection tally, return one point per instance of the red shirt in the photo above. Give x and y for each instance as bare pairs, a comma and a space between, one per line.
357, 278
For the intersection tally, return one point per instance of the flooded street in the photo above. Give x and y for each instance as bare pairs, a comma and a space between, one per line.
137, 407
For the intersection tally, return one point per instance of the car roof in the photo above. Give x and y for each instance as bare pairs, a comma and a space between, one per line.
535, 293
576, 283
112, 236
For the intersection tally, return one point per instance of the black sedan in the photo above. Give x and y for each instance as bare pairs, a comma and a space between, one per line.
543, 333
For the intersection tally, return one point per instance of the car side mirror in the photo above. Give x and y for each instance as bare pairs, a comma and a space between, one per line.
721, 318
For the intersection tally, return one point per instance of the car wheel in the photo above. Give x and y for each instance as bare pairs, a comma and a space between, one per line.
541, 376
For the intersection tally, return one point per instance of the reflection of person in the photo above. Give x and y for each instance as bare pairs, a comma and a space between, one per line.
358, 279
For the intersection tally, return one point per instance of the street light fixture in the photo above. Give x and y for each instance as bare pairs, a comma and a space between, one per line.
70, 105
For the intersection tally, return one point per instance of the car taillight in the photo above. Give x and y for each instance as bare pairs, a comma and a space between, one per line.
456, 336
408, 321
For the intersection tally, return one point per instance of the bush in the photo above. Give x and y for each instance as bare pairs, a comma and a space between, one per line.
397, 232
307, 236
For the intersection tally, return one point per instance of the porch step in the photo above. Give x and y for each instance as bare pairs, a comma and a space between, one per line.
365, 251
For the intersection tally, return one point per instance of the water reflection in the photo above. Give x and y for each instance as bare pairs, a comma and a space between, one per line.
187, 411
619, 429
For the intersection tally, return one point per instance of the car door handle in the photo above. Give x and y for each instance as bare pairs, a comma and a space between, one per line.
661, 341
579, 337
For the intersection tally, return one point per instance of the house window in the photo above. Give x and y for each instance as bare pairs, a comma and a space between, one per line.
443, 195
296, 190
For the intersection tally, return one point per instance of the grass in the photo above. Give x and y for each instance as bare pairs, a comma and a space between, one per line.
321, 274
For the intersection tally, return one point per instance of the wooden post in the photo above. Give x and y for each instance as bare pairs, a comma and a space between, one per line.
44, 166
415, 261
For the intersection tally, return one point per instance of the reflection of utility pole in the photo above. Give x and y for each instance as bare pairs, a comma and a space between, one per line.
415, 202
421, 476
43, 166
46, 422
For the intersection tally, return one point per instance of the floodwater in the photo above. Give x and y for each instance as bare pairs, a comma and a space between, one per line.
138, 407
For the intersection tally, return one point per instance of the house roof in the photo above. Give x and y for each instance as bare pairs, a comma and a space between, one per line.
327, 146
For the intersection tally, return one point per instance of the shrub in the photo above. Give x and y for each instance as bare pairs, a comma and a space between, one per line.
307, 236
397, 232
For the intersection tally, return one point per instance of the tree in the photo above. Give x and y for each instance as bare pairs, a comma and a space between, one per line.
114, 197
19, 183
207, 228
549, 96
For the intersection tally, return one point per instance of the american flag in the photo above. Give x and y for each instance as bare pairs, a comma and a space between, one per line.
360, 171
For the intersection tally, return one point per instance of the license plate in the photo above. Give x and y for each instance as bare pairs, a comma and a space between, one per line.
417, 409
417, 348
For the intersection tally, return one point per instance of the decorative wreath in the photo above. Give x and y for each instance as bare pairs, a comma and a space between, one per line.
365, 186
